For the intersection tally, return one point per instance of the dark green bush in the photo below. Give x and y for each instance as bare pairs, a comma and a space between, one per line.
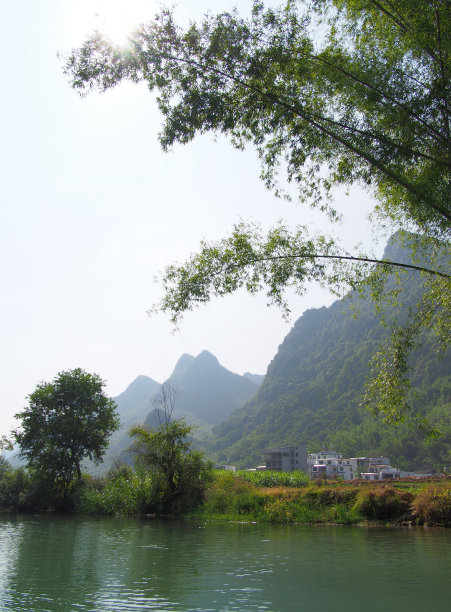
223, 490
382, 503
16, 488
248, 503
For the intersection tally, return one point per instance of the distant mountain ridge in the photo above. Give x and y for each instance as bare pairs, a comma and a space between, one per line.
206, 391
135, 400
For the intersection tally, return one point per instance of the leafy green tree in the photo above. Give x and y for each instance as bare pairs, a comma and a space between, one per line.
66, 421
180, 474
363, 98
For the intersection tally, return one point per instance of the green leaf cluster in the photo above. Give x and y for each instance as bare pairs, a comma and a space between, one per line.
367, 101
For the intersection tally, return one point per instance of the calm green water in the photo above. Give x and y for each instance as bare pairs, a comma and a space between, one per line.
66, 564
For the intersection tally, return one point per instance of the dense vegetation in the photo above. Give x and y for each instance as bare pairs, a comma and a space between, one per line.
163, 485
122, 491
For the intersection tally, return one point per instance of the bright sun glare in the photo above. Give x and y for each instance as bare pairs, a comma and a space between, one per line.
114, 18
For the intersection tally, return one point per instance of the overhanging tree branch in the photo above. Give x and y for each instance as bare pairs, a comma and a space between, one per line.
315, 256
315, 121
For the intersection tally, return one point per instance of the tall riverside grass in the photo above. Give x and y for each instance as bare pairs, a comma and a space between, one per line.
232, 497
267, 478
124, 494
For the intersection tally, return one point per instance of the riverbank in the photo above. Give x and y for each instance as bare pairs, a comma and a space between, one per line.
231, 497
263, 497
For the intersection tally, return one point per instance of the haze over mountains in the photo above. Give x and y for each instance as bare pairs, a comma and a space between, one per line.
311, 393
206, 391
206, 394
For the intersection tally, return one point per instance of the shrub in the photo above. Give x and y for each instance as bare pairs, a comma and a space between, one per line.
180, 475
15, 488
278, 511
329, 496
249, 502
382, 503
432, 505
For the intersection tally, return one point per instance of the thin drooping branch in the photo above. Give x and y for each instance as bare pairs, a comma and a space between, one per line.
384, 262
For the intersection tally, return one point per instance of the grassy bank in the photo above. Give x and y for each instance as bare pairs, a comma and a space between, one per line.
241, 497
274, 497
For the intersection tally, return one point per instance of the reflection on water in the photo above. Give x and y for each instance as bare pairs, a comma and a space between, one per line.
10, 536
50, 564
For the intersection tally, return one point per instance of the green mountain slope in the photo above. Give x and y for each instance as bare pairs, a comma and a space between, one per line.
314, 385
134, 403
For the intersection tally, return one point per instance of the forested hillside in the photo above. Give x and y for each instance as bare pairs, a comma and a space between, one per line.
314, 386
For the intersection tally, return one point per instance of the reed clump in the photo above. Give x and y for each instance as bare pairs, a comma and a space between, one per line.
123, 492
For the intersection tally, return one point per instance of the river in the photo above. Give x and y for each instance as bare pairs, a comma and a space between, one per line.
68, 564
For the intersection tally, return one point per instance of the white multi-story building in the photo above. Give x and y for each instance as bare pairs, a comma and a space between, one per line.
331, 464
381, 472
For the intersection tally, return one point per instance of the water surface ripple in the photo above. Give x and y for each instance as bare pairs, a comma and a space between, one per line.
66, 564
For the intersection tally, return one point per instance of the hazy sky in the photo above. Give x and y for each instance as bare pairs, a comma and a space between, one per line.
92, 210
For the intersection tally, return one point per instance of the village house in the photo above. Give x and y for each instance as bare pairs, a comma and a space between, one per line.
330, 464
286, 458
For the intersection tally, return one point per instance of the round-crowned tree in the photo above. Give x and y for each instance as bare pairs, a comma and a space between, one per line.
66, 421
